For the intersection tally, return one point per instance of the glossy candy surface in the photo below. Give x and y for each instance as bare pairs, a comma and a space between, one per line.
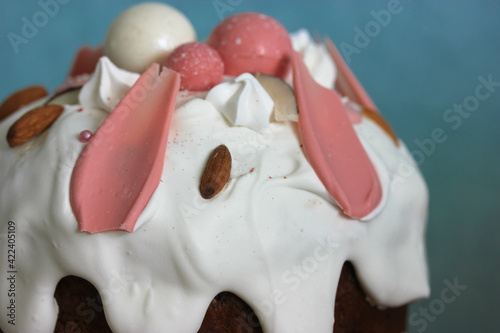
254, 43
199, 65
145, 34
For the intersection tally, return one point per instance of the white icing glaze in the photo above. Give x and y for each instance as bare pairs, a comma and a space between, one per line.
106, 86
243, 101
316, 58
279, 243
273, 236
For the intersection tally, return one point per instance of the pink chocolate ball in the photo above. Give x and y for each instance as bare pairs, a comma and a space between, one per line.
85, 136
199, 65
254, 43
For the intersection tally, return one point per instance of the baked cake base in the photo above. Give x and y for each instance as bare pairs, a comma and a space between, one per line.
80, 310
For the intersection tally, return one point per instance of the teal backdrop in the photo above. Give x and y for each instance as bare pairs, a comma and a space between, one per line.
432, 67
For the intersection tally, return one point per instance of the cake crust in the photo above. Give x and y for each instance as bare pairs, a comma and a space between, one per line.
81, 310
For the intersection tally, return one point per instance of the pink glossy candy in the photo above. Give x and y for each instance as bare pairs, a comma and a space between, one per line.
85, 136
254, 43
199, 65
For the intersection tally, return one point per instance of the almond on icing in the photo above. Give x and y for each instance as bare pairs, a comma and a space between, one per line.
217, 172
33, 123
20, 98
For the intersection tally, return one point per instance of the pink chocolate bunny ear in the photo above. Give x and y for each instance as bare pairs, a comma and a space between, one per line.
120, 168
347, 83
332, 146
84, 64
85, 61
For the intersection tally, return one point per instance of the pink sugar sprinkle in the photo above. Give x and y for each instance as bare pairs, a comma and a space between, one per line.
85, 136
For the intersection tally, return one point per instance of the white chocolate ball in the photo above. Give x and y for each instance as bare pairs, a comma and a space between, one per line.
145, 34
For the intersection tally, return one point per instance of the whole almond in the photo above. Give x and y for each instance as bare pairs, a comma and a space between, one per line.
377, 118
33, 123
21, 98
217, 172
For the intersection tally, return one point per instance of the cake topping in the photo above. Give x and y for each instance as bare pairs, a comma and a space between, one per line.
85, 136
349, 86
84, 64
20, 98
353, 111
107, 86
57, 96
243, 101
252, 42
379, 120
120, 168
199, 65
347, 83
32, 123
217, 172
85, 61
285, 104
146, 33
332, 146
316, 58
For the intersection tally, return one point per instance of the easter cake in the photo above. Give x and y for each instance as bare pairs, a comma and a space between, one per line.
243, 184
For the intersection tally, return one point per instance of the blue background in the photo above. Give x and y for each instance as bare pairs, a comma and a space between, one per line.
429, 57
